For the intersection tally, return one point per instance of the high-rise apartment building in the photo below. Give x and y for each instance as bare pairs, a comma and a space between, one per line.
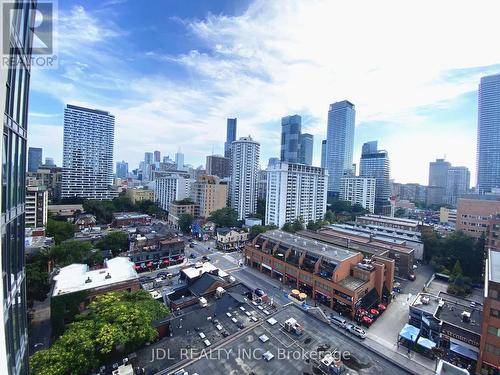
34, 158
218, 165
88, 153
488, 134
457, 184
179, 161
323, 153
295, 191
209, 193
121, 169
375, 163
245, 153
359, 190
306, 149
50, 177
340, 142
14, 95
171, 186
230, 136
36, 206
290, 138
493, 233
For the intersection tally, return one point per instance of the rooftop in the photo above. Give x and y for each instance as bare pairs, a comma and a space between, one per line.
392, 220
129, 215
74, 278
320, 249
351, 283
193, 272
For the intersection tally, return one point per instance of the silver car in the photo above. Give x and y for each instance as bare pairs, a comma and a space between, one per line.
357, 331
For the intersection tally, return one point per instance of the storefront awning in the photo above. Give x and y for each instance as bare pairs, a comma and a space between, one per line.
425, 343
409, 332
266, 266
463, 351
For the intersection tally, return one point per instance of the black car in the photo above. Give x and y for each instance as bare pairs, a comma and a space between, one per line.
205, 258
163, 275
192, 255
225, 333
259, 292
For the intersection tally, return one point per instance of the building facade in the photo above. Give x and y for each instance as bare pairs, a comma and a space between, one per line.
306, 149
323, 153
493, 233
88, 153
138, 195
14, 96
230, 136
179, 161
219, 166
34, 158
209, 194
339, 142
245, 154
359, 190
121, 169
457, 184
37, 203
50, 177
295, 191
474, 212
171, 186
375, 163
290, 138
488, 134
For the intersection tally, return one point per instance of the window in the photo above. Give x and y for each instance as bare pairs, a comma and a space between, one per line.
494, 331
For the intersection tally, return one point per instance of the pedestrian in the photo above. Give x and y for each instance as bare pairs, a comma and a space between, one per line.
397, 343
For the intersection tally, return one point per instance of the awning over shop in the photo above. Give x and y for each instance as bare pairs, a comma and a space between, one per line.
463, 351
266, 266
426, 343
409, 332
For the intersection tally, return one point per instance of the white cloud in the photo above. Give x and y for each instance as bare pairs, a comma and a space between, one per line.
282, 57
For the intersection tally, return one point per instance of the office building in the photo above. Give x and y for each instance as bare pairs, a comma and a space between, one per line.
179, 161
262, 184
447, 216
295, 191
359, 190
245, 154
339, 142
34, 158
488, 134
435, 196
489, 350
438, 176
171, 186
457, 184
148, 158
375, 163
219, 166
37, 202
209, 194
330, 275
323, 153
121, 169
230, 136
157, 156
493, 233
290, 139
49, 162
137, 195
88, 153
474, 212
14, 96
273, 161
306, 149
50, 177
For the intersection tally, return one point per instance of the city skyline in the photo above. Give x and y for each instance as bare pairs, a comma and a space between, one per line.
217, 69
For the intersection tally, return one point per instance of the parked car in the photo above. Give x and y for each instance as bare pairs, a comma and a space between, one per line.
356, 331
145, 279
338, 321
162, 275
366, 321
259, 292
206, 259
192, 255
411, 277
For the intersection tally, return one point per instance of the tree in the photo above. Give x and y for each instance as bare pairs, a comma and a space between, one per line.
225, 217
400, 212
457, 269
37, 282
330, 216
287, 227
102, 210
258, 229
339, 206
60, 230
115, 322
117, 242
70, 252
261, 209
297, 225
122, 203
185, 221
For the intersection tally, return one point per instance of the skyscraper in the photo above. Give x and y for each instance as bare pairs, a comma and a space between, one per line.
157, 156
34, 158
121, 169
488, 134
375, 163
457, 184
218, 165
87, 153
323, 153
14, 95
438, 174
295, 191
306, 149
340, 142
245, 154
230, 136
148, 158
290, 138
179, 160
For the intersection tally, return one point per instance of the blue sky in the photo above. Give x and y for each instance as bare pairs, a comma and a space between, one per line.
173, 71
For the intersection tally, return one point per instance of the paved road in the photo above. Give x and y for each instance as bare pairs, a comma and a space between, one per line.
40, 327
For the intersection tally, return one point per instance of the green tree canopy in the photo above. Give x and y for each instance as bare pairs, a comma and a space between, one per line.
115, 322
60, 230
117, 242
297, 225
225, 217
37, 282
330, 216
287, 227
258, 229
185, 221
72, 251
